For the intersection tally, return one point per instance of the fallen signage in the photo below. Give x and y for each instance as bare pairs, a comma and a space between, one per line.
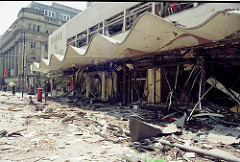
141, 130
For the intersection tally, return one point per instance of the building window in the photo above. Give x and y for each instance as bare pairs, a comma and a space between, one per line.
46, 47
33, 45
36, 8
46, 30
64, 17
45, 12
34, 27
49, 13
33, 58
38, 28
29, 26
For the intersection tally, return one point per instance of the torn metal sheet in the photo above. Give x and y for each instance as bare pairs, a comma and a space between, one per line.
234, 95
209, 114
141, 130
180, 122
235, 109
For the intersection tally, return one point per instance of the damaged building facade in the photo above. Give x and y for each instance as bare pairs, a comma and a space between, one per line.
148, 53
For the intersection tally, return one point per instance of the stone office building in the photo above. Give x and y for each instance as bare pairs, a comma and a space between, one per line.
27, 38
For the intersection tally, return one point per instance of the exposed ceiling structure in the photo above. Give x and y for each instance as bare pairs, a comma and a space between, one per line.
149, 34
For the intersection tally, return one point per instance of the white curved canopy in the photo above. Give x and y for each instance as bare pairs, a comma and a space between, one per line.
149, 34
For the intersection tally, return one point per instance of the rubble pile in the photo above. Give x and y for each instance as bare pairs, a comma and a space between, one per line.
72, 128
209, 129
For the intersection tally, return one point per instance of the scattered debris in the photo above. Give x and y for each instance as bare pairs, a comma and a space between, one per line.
14, 109
3, 133
227, 140
151, 132
190, 154
68, 119
14, 134
180, 122
219, 154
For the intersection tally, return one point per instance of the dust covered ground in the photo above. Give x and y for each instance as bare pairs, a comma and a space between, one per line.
65, 129
54, 131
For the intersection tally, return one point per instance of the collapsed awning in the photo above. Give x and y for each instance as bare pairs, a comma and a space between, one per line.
149, 34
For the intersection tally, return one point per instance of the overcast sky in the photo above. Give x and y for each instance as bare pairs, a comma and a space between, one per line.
10, 9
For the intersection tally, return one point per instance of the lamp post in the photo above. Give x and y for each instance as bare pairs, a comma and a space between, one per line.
2, 67
23, 69
3, 81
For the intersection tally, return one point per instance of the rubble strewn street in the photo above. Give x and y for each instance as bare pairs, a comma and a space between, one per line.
73, 129
136, 82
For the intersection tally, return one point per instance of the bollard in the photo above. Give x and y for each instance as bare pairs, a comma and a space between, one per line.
39, 94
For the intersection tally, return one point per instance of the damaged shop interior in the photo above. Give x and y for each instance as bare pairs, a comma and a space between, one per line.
193, 80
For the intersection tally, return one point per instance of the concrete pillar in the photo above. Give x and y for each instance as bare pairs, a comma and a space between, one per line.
87, 36
51, 84
124, 20
115, 83
124, 83
12, 59
20, 50
103, 27
151, 85
15, 60
195, 4
153, 8
13, 56
4, 61
154, 85
103, 85
1, 71
76, 44
8, 60
158, 85
87, 85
